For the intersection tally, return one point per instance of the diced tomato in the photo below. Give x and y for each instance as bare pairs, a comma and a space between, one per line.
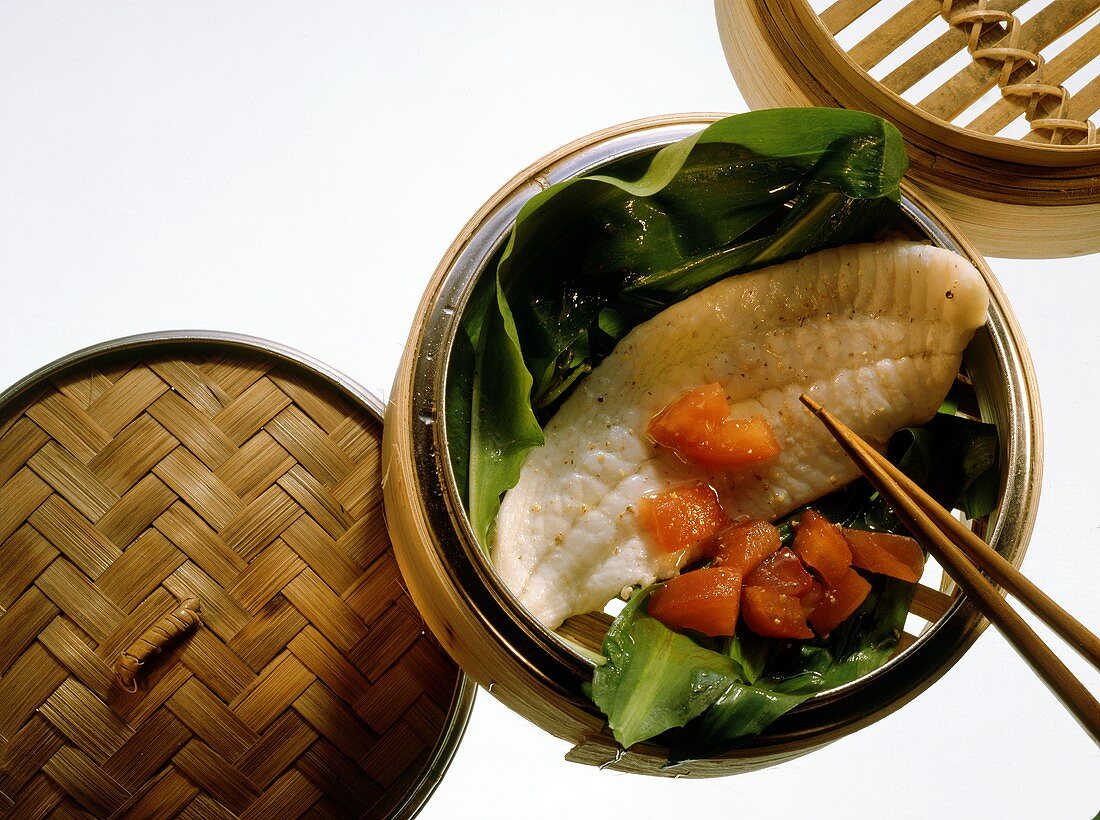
706, 600
773, 614
696, 428
734, 443
683, 517
885, 553
781, 572
700, 409
743, 546
822, 547
839, 602
812, 597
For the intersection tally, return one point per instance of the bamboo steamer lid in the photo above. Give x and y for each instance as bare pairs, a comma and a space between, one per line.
982, 95
225, 493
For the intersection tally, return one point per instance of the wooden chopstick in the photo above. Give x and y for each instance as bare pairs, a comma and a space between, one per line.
913, 506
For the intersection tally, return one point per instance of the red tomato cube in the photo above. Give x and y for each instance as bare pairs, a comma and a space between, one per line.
781, 572
821, 546
839, 602
695, 427
887, 554
681, 518
743, 546
773, 614
706, 600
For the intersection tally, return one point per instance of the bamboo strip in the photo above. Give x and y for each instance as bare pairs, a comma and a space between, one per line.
251, 410
317, 549
132, 454
384, 703
83, 718
145, 564
1018, 48
73, 480
83, 544
21, 624
329, 664
942, 49
884, 40
265, 576
25, 685
80, 777
325, 610
843, 13
280, 683
130, 395
256, 526
1056, 71
69, 425
196, 707
195, 431
282, 744
202, 764
191, 384
22, 557
136, 510
257, 464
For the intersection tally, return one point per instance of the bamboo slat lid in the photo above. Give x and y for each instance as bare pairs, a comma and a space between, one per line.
997, 100
298, 681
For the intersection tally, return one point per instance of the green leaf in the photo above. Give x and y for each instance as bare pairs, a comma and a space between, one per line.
591, 257
654, 679
739, 712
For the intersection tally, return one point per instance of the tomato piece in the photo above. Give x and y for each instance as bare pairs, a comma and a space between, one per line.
773, 614
821, 546
696, 428
733, 443
839, 602
706, 600
681, 518
743, 546
703, 408
885, 553
811, 598
782, 572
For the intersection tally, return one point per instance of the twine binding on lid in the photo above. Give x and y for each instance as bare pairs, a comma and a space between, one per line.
1047, 106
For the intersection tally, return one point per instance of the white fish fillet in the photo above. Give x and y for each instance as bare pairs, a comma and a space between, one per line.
874, 332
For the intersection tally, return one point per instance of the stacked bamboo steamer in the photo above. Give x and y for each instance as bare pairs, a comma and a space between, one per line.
995, 135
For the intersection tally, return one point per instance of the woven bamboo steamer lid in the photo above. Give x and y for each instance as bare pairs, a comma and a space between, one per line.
1034, 196
220, 498
540, 674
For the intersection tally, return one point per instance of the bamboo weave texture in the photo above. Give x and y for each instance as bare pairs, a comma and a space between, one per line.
310, 689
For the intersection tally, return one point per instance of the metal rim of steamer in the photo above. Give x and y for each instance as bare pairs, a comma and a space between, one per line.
463, 700
548, 658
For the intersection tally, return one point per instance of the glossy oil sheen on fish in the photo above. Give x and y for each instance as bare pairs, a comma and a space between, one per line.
874, 332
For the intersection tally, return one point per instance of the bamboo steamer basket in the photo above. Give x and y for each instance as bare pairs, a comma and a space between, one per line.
994, 136
217, 497
540, 674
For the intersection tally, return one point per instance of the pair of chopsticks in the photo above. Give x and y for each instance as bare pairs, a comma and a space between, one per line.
964, 557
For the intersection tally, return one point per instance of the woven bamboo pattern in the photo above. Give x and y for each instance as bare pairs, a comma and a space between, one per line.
1006, 53
141, 480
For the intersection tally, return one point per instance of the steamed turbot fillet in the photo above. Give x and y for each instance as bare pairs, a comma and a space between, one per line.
874, 332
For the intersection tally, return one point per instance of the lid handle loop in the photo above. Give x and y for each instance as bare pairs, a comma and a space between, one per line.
165, 631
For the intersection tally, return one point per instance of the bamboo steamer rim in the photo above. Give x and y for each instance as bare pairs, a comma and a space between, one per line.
532, 670
274, 695
1017, 198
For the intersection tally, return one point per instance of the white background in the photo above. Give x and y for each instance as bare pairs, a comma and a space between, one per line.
295, 171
